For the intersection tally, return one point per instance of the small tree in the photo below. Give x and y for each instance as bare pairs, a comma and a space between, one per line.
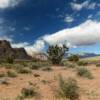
56, 53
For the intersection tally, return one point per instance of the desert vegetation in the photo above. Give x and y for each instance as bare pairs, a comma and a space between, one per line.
56, 78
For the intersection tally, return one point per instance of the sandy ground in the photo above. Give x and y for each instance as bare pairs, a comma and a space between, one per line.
89, 89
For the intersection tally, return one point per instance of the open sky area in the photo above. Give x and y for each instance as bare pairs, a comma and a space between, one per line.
35, 24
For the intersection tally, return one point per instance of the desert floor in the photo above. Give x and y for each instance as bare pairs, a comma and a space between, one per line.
47, 83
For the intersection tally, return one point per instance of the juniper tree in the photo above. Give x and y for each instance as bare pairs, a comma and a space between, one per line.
56, 53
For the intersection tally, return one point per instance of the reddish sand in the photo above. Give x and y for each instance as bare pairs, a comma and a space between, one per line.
89, 89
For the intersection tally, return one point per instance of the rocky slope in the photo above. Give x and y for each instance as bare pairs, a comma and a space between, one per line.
6, 50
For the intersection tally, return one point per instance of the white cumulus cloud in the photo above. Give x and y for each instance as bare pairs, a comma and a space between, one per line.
69, 19
87, 33
86, 4
8, 3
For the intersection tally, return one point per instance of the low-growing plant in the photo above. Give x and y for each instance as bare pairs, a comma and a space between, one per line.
28, 92
11, 74
69, 64
35, 66
10, 60
82, 63
98, 65
24, 70
47, 68
68, 89
73, 58
84, 72
2, 74
19, 97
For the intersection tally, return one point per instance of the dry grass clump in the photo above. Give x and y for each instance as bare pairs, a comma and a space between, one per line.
84, 72
28, 92
68, 89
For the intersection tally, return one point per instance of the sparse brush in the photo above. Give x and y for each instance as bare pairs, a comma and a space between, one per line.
73, 58
98, 65
84, 72
2, 74
68, 89
82, 63
10, 60
47, 68
35, 66
28, 92
25, 70
11, 74
69, 64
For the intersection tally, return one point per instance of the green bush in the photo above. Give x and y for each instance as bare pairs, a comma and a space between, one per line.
11, 74
82, 63
84, 72
35, 66
69, 64
68, 89
47, 68
74, 58
2, 74
25, 70
28, 92
10, 60
98, 65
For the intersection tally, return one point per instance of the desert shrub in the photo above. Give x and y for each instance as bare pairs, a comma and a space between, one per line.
11, 74
69, 64
10, 60
98, 65
82, 63
19, 97
38, 65
28, 92
47, 68
25, 70
74, 58
84, 72
2, 74
35, 66
68, 89
56, 53
24, 64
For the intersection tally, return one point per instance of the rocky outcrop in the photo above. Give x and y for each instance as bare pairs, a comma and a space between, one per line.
6, 50
20, 53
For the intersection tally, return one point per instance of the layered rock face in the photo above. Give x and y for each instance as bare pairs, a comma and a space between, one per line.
6, 50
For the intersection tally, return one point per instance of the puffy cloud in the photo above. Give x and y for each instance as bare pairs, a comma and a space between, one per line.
87, 33
86, 4
19, 45
38, 46
90, 16
69, 19
6, 38
8, 3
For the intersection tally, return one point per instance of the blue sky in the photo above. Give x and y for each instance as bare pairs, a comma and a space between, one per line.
31, 23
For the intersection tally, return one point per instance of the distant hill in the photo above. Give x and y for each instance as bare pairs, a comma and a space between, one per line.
83, 54
87, 55
6, 50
